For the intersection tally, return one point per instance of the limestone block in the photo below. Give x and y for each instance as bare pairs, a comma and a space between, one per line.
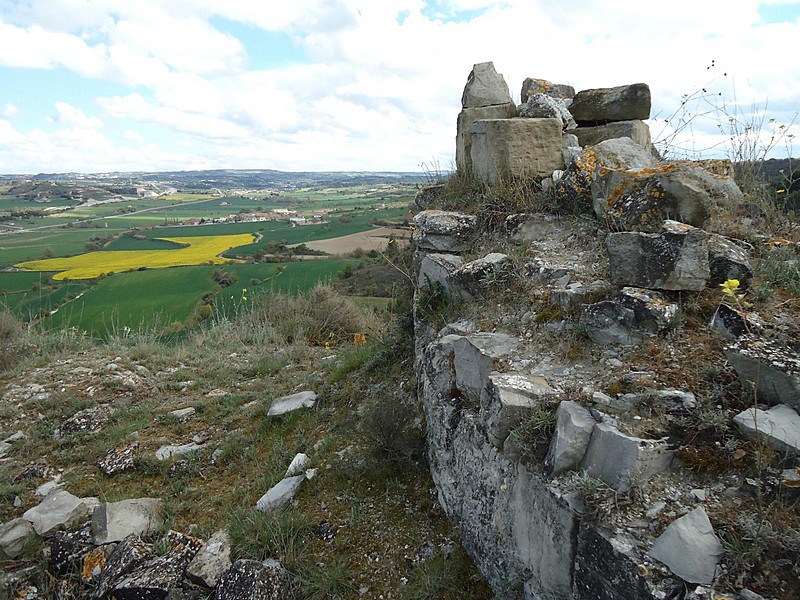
769, 366
506, 399
574, 188
605, 569
779, 426
478, 275
642, 200
542, 532
573, 296
439, 269
292, 402
128, 554
466, 118
728, 261
166, 452
628, 317
485, 87
690, 548
507, 149
732, 323
114, 521
13, 535
444, 231
617, 459
570, 149
281, 493
608, 322
574, 425
636, 130
158, 575
541, 106
474, 359
67, 550
58, 509
298, 464
622, 103
211, 561
533, 86
652, 311
674, 259
253, 580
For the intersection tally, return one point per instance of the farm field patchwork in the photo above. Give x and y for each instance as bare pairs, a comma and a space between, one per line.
153, 299
198, 250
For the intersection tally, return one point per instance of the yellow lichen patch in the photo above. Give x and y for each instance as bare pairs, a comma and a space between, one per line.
196, 251
93, 563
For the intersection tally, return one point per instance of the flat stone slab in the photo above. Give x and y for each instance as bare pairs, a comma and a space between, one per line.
690, 548
280, 494
114, 521
767, 365
780, 426
57, 509
166, 452
287, 404
183, 414
12, 537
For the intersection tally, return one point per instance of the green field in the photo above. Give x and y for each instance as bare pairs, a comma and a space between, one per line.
157, 298
141, 299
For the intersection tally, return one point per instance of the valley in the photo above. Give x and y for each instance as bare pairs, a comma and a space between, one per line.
116, 252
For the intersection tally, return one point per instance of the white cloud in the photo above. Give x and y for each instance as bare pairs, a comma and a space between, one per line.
378, 92
71, 117
10, 110
132, 136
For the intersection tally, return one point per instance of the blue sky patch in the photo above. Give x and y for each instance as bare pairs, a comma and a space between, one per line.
779, 13
437, 10
265, 49
35, 91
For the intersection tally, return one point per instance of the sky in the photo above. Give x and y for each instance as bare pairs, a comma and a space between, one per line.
367, 85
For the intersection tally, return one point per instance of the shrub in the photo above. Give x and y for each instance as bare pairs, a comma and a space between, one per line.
11, 340
278, 534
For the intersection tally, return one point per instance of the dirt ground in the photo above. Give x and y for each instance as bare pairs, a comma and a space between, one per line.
374, 239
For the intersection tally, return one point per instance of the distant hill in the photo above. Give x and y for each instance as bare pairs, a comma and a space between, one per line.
233, 178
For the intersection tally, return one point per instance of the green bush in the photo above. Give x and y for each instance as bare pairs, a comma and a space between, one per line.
11, 340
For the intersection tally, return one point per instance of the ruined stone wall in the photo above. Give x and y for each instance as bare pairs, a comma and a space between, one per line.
522, 518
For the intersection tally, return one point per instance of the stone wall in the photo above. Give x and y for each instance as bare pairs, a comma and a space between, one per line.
522, 517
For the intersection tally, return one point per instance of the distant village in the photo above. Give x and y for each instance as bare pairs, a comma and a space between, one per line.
276, 214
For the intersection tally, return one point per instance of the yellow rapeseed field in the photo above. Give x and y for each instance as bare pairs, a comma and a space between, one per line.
198, 250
